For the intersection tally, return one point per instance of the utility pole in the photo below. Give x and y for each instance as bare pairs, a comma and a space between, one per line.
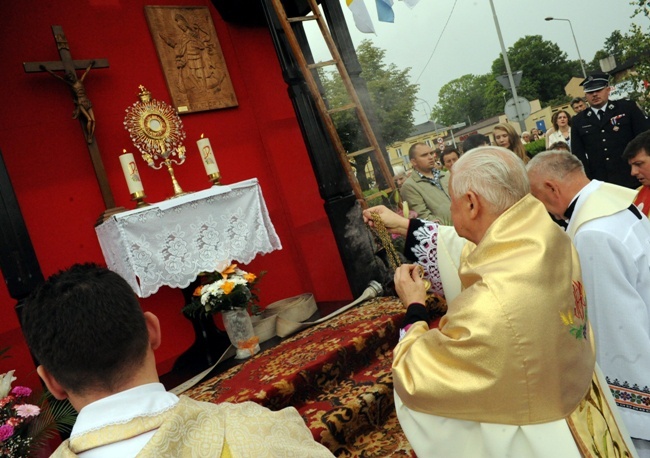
522, 123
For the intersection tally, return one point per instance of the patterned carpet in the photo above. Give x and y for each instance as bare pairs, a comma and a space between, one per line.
337, 374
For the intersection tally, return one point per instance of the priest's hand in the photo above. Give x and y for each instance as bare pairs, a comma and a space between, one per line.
395, 224
409, 284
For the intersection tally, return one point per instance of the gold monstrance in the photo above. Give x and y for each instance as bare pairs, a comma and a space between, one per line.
157, 132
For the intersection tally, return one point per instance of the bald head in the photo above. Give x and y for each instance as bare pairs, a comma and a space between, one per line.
556, 177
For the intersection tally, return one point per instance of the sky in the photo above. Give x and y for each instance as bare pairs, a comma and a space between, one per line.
469, 43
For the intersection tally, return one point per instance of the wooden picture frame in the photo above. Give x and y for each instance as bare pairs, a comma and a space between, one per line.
189, 52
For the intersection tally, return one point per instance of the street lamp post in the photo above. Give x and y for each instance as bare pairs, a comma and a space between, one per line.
428, 106
584, 73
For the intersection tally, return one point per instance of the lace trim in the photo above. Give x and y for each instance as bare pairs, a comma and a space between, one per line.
125, 421
426, 252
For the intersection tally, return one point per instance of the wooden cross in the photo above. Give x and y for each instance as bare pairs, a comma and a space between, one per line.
83, 108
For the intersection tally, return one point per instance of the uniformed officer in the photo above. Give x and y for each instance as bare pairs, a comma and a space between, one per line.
600, 133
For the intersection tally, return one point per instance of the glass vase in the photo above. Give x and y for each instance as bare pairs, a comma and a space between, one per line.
240, 331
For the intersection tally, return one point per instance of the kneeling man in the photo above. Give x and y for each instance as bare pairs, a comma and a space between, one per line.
510, 369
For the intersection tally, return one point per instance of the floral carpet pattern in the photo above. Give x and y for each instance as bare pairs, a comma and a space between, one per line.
337, 374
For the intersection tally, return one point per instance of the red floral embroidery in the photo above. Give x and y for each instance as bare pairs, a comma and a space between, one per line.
579, 297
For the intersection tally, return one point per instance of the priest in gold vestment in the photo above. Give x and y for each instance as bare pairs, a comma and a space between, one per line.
95, 346
510, 369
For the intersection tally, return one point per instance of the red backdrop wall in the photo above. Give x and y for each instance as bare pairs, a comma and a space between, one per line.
52, 175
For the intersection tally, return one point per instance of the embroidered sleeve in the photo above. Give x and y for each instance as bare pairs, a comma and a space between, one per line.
422, 248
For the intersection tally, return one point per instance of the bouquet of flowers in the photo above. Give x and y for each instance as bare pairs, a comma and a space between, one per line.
230, 289
24, 427
16, 416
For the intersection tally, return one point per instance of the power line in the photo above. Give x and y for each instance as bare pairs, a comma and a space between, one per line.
437, 42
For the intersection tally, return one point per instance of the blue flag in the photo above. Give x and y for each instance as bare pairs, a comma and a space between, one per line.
385, 11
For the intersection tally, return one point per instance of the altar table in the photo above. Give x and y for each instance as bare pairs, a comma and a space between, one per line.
171, 242
337, 374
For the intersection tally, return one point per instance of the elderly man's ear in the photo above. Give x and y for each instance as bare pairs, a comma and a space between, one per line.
474, 204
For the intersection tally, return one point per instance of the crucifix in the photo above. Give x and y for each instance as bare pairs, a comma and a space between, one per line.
83, 108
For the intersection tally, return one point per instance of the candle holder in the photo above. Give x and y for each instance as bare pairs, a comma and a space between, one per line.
215, 178
138, 198
157, 132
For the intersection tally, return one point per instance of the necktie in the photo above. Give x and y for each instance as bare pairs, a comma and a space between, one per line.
600, 114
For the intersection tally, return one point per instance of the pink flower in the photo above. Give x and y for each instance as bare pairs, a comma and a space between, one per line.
27, 410
15, 421
6, 431
6, 400
21, 391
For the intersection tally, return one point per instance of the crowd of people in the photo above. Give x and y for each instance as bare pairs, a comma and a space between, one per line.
544, 350
561, 239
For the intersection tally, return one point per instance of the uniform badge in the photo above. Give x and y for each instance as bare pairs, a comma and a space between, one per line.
615, 122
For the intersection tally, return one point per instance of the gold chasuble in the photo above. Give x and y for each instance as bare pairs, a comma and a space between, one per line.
200, 429
514, 347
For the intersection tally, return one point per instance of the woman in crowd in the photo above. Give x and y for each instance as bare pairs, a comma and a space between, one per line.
561, 128
506, 136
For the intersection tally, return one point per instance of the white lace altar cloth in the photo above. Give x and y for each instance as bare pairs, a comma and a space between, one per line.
171, 242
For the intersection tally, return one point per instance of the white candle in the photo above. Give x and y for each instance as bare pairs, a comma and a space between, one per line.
131, 174
207, 156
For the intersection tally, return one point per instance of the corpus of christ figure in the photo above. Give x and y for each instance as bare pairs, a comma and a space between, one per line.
83, 108
82, 102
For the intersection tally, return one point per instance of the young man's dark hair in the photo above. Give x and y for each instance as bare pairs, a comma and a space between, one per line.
448, 151
638, 143
559, 146
96, 348
474, 141
578, 104
86, 327
412, 148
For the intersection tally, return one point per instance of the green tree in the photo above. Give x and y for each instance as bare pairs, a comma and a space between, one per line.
545, 66
636, 44
633, 45
613, 46
392, 96
461, 98
495, 96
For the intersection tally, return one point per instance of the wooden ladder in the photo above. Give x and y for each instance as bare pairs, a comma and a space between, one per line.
325, 112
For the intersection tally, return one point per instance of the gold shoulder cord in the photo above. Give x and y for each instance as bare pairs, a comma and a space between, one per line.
435, 304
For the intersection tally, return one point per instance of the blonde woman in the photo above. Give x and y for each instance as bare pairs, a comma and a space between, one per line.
506, 136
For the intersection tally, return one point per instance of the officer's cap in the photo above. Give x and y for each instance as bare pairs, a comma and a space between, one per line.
595, 82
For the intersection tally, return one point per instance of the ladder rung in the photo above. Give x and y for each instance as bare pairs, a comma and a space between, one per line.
382, 193
322, 64
349, 106
301, 18
323, 110
361, 151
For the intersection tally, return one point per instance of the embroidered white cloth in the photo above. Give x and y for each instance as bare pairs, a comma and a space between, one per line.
171, 242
